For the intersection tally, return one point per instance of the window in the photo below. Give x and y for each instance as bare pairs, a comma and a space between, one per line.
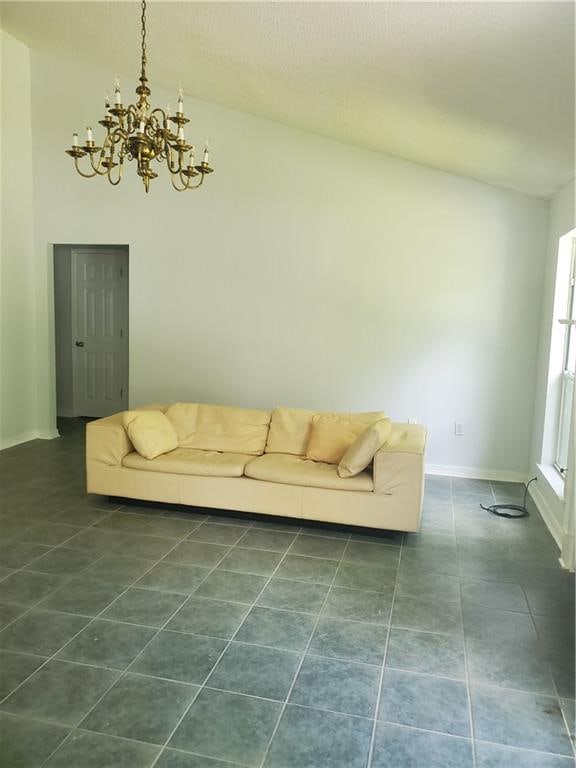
568, 322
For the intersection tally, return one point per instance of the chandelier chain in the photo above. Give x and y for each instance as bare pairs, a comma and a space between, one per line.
143, 34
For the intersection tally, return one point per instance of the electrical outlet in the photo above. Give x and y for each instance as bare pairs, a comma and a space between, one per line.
458, 428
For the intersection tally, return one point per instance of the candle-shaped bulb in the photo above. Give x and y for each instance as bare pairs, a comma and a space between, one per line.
117, 94
168, 110
181, 133
89, 136
206, 152
142, 126
191, 159
180, 100
74, 139
106, 99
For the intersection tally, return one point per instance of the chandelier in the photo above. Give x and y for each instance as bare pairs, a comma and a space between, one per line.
137, 132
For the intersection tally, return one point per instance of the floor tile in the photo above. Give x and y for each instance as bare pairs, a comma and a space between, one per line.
438, 560
274, 541
527, 720
215, 618
172, 758
249, 726
424, 701
254, 561
126, 523
309, 738
562, 666
217, 534
363, 552
520, 665
17, 554
80, 517
492, 624
15, 668
494, 594
93, 750
141, 708
10, 612
310, 569
373, 607
255, 671
82, 596
177, 656
25, 588
172, 577
60, 692
349, 640
341, 686
170, 528
551, 601
236, 587
49, 534
422, 585
556, 633
497, 756
118, 570
426, 652
147, 547
197, 553
144, 606
277, 629
241, 519
41, 632
63, 561
95, 540
427, 615
108, 644
363, 576
27, 743
293, 595
396, 746
317, 546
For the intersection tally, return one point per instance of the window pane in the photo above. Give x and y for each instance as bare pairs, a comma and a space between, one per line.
571, 350
565, 414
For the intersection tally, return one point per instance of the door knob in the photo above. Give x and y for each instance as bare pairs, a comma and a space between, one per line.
79, 343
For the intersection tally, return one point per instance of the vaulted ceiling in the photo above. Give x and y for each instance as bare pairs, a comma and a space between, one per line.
481, 89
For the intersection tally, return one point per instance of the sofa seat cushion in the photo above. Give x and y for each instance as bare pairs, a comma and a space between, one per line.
192, 461
296, 470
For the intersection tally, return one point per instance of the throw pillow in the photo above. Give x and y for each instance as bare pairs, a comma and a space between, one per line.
362, 451
331, 436
150, 432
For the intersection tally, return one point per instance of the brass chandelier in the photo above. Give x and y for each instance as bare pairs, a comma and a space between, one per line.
137, 132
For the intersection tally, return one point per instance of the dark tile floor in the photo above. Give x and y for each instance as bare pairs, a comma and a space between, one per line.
140, 636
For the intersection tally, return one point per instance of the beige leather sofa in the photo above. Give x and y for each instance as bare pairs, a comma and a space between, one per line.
280, 481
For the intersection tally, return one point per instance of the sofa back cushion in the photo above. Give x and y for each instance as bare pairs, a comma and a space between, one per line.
150, 432
290, 428
363, 449
220, 428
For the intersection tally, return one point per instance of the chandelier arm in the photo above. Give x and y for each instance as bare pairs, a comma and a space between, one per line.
85, 175
119, 179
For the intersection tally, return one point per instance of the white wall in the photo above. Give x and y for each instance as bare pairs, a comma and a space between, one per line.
549, 491
18, 382
306, 272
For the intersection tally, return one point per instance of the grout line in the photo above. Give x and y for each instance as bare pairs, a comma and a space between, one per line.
303, 654
383, 666
465, 650
228, 643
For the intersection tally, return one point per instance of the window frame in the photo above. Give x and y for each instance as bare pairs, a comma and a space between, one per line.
567, 376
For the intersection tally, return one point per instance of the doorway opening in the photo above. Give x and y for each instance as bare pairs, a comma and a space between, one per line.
91, 329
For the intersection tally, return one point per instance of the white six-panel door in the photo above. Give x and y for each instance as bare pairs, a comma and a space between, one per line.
100, 330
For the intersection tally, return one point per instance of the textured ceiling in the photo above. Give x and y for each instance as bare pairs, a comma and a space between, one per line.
481, 89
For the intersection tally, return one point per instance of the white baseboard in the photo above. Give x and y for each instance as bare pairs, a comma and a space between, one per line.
546, 514
48, 434
476, 473
25, 437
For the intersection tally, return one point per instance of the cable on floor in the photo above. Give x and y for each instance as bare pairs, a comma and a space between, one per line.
522, 509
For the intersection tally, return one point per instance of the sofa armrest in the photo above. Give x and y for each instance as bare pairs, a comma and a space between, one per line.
401, 460
107, 441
